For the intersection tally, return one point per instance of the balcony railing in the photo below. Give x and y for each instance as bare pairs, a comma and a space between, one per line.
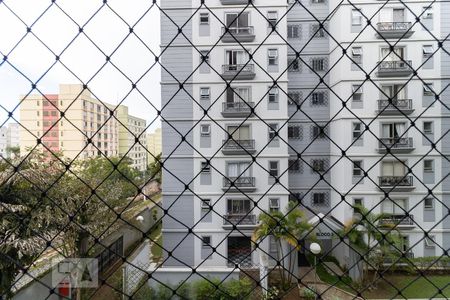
233, 2
396, 182
397, 220
396, 145
239, 220
394, 68
241, 183
238, 34
238, 71
238, 146
395, 106
389, 30
237, 109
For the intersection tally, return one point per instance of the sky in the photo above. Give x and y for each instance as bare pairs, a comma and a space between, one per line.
55, 30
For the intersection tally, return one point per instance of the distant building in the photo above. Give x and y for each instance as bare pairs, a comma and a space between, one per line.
9, 138
130, 129
154, 144
85, 130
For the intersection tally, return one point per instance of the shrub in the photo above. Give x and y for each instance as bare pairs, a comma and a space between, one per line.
208, 289
309, 293
237, 289
164, 292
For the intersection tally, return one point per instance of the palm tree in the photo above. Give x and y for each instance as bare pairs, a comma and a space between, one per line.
374, 242
288, 229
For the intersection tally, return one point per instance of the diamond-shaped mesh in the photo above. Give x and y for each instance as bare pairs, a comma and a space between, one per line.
304, 149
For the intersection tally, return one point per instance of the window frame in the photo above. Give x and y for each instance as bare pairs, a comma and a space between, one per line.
360, 130
358, 168
429, 168
318, 62
273, 58
203, 204
273, 94
426, 131
272, 18
428, 207
206, 245
428, 52
207, 132
201, 15
272, 129
205, 167
354, 17
206, 96
274, 172
275, 207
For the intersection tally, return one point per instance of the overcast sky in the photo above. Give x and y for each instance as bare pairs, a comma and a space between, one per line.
56, 31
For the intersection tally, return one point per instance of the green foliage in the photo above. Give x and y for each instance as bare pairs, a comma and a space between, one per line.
144, 293
154, 170
208, 289
164, 292
309, 293
272, 294
184, 290
237, 289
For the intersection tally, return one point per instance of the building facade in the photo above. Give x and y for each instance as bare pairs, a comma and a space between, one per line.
85, 128
154, 145
324, 103
9, 138
132, 139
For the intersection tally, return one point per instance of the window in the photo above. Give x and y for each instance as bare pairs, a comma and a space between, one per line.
273, 168
294, 97
206, 204
205, 93
318, 132
357, 93
274, 204
273, 95
317, 1
357, 54
428, 89
356, 17
294, 132
427, 50
317, 31
293, 31
206, 241
428, 127
428, 203
204, 18
428, 166
357, 168
273, 57
357, 202
205, 167
293, 64
430, 241
318, 99
427, 12
318, 64
318, 165
295, 166
272, 18
318, 199
357, 131
205, 130
273, 128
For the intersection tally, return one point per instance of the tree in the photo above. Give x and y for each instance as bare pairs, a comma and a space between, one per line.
26, 218
154, 169
288, 229
374, 242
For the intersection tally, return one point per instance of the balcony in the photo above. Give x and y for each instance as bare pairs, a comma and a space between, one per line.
240, 220
396, 145
395, 68
394, 30
241, 183
236, 147
238, 34
238, 72
396, 183
237, 109
397, 221
395, 107
234, 2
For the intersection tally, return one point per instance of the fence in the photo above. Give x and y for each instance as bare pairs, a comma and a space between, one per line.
304, 149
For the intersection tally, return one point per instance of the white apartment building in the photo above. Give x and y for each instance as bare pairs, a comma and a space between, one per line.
132, 138
9, 137
229, 90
